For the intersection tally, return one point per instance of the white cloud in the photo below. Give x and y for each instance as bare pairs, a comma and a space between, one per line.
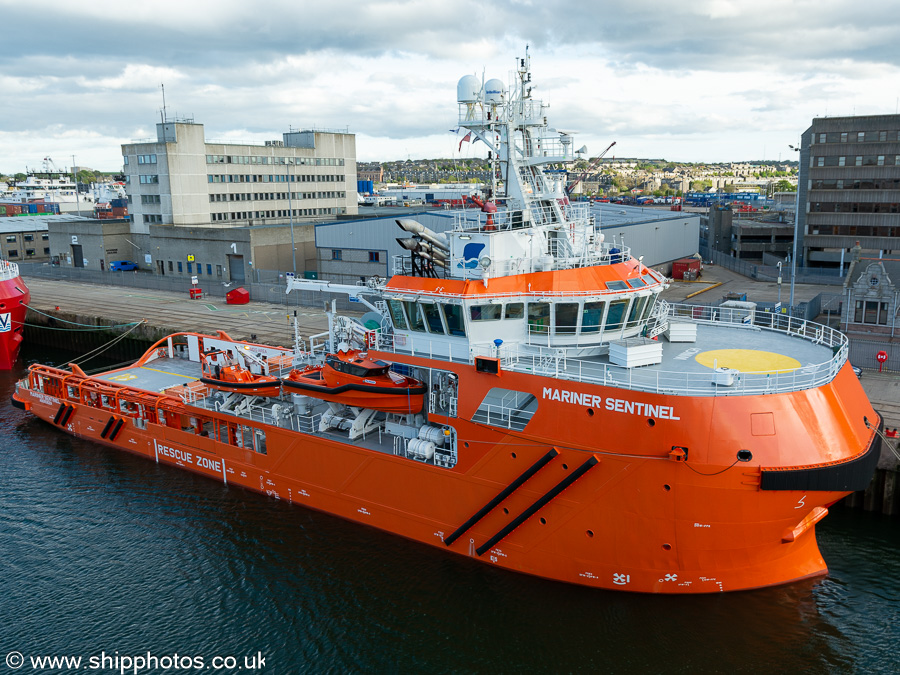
707, 80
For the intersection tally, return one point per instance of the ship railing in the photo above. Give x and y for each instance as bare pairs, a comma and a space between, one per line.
559, 363
8, 270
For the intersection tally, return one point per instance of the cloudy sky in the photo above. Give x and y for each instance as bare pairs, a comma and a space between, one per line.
704, 80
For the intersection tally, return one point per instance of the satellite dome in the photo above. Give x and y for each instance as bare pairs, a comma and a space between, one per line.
468, 89
494, 91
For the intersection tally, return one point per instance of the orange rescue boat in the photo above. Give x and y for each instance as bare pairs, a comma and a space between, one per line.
352, 378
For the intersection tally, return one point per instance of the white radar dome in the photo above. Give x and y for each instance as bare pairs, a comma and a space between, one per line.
468, 89
494, 91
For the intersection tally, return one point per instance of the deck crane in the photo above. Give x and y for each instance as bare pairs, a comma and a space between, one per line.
582, 176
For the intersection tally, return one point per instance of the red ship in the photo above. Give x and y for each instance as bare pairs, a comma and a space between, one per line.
14, 299
575, 426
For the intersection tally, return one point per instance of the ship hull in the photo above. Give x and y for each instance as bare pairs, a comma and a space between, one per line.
631, 521
14, 298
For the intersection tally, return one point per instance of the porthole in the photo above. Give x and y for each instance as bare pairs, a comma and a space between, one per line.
667, 487
667, 547
589, 533
744, 455
590, 412
651, 422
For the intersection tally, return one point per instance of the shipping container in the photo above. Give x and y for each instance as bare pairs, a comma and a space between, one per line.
686, 269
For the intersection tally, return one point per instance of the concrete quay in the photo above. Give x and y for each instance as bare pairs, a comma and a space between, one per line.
55, 302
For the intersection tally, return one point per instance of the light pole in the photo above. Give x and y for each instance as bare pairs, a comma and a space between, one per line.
290, 160
796, 226
778, 264
75, 180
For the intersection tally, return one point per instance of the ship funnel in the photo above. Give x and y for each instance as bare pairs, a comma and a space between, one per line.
417, 228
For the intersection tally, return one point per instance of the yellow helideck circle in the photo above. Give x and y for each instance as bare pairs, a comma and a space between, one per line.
747, 360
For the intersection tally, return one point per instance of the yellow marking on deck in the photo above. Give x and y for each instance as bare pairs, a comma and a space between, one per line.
123, 378
747, 360
166, 372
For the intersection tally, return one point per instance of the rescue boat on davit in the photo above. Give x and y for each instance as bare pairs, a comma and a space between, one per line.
353, 379
575, 426
222, 372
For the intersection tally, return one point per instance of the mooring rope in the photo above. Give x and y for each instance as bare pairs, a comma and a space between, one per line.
102, 348
74, 323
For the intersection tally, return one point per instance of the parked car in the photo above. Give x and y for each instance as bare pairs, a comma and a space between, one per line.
122, 266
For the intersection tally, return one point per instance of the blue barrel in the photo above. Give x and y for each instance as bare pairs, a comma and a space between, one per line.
370, 186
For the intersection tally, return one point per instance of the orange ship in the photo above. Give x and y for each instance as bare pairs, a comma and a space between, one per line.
14, 298
575, 426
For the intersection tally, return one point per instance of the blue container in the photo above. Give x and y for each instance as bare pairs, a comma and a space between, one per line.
118, 203
370, 186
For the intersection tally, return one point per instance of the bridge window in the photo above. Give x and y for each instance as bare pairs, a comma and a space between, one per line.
637, 311
539, 318
395, 307
416, 322
453, 317
592, 317
486, 312
515, 310
616, 315
433, 318
566, 322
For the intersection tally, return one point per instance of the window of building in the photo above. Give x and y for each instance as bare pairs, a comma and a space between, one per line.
146, 159
170, 265
45, 237
29, 251
880, 160
844, 137
374, 256
882, 136
336, 254
820, 161
149, 179
125, 158
46, 250
179, 267
13, 253
11, 238
28, 237
199, 269
190, 268
821, 138
859, 161
842, 161
218, 270
861, 136
209, 269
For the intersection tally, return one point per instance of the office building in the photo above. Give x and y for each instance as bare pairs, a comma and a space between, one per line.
182, 179
849, 189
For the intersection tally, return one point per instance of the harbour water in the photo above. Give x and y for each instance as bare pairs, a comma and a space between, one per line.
104, 553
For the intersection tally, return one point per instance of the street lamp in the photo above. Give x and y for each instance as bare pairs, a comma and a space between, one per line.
796, 229
289, 161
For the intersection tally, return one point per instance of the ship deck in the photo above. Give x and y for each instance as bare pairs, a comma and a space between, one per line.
181, 377
712, 356
723, 359
164, 375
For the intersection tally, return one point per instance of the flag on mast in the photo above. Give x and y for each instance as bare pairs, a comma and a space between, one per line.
467, 137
